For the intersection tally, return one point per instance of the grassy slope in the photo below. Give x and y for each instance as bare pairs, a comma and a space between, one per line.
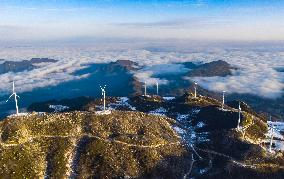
120, 144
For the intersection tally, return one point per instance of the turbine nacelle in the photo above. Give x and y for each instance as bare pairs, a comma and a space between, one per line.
103, 89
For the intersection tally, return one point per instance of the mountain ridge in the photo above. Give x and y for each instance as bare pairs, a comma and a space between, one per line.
206, 134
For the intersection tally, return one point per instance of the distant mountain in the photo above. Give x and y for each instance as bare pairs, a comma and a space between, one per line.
19, 66
122, 71
127, 64
215, 68
280, 69
121, 65
121, 81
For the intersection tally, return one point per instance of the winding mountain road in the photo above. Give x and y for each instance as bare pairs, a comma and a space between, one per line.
30, 139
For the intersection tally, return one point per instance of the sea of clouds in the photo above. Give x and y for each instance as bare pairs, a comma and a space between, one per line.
256, 74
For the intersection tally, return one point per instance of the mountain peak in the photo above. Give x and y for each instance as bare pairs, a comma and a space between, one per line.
214, 68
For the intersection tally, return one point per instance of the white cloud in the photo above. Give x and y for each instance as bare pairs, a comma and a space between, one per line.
166, 69
256, 75
146, 76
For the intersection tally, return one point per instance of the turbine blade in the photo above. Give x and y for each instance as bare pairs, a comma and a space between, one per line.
9, 98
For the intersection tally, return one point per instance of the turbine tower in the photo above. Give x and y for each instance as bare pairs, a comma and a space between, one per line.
145, 88
195, 89
157, 85
223, 103
15, 97
104, 95
240, 110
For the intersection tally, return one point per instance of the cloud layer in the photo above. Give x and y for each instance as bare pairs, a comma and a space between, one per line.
257, 74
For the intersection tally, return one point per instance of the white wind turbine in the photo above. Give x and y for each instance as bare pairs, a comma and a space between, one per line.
195, 89
157, 85
15, 97
223, 103
104, 95
104, 112
239, 120
145, 88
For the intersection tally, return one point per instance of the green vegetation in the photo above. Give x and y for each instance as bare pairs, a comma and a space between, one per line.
132, 144
120, 144
201, 101
255, 128
23, 161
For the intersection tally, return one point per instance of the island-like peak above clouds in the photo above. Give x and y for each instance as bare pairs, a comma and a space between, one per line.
19, 66
214, 68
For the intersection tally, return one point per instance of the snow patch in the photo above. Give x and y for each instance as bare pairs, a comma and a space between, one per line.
202, 171
58, 108
179, 130
279, 145
169, 98
278, 128
200, 124
19, 114
159, 112
195, 111
40, 113
181, 117
123, 101
106, 112
224, 109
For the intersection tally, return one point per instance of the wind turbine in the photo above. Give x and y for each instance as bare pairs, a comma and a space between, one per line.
145, 88
240, 109
157, 85
15, 97
104, 95
195, 89
223, 103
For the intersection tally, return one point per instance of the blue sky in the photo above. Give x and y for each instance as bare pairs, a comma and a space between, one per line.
162, 19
